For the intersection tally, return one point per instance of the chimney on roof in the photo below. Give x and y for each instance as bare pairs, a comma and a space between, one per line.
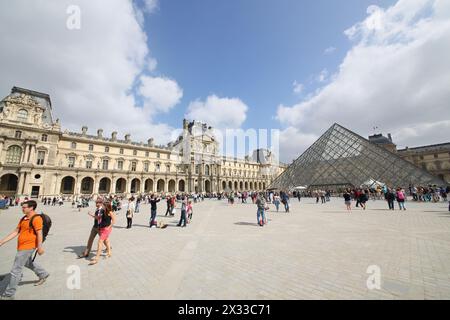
127, 137
84, 130
390, 137
100, 133
114, 136
151, 142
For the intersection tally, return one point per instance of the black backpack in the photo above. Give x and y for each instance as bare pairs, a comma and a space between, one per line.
46, 224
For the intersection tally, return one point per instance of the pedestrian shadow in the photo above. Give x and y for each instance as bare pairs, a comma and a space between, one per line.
77, 250
119, 227
246, 224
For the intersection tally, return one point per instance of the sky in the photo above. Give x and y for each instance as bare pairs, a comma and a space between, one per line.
142, 66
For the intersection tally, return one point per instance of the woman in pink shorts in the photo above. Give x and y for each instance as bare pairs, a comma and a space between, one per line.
105, 224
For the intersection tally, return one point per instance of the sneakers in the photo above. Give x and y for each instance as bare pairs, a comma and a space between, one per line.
41, 281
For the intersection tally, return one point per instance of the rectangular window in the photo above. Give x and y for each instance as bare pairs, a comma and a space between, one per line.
147, 153
168, 168
40, 158
105, 164
158, 155
134, 152
133, 166
73, 145
106, 149
44, 138
18, 134
91, 147
158, 167
71, 162
121, 151
146, 166
120, 165
88, 164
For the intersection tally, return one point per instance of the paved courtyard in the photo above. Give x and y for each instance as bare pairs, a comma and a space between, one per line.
314, 252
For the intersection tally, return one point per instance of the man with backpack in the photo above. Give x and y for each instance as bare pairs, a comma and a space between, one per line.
32, 231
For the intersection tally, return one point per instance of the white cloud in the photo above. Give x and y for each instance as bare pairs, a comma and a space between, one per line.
221, 113
293, 142
397, 76
298, 87
323, 76
161, 94
150, 6
90, 72
329, 50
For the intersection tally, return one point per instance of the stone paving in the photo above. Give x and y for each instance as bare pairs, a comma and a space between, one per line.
315, 252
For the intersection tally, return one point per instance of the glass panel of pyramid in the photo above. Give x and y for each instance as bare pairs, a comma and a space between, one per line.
342, 159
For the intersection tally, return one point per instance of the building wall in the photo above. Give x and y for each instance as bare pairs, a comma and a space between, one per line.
65, 168
435, 159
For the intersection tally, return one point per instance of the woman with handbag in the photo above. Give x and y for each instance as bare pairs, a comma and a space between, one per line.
130, 213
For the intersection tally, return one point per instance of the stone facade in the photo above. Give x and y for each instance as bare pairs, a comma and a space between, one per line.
37, 158
433, 158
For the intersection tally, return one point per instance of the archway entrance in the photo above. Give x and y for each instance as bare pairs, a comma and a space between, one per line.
160, 185
8, 184
87, 186
135, 186
148, 187
121, 185
224, 185
172, 185
104, 186
68, 185
207, 186
181, 186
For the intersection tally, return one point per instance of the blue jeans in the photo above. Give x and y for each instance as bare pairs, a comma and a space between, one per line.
152, 217
182, 218
260, 214
277, 205
23, 259
286, 206
401, 204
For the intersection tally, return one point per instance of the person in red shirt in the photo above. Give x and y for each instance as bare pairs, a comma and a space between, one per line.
29, 241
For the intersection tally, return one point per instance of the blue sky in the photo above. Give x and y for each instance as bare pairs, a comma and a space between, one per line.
251, 49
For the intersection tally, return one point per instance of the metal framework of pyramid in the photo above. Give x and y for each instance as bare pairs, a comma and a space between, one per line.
342, 159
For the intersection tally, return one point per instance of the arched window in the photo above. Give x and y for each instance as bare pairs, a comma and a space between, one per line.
14, 155
22, 115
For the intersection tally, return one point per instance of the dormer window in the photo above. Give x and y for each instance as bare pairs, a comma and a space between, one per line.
22, 115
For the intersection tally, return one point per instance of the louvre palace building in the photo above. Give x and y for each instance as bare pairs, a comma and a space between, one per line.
39, 158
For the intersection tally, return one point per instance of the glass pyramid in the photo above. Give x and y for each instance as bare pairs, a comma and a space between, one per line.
342, 159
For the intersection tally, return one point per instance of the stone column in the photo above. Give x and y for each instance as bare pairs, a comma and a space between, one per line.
33, 154
77, 190
96, 184
2, 142
57, 185
26, 187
